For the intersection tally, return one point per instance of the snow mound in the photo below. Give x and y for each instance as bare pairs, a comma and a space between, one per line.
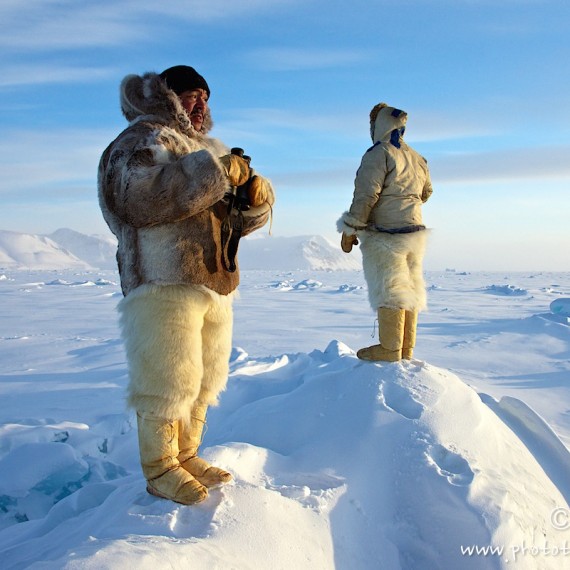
284, 285
97, 283
97, 251
58, 468
560, 307
506, 290
307, 284
338, 463
348, 288
24, 251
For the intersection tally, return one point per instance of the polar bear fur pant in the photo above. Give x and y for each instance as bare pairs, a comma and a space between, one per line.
393, 269
178, 343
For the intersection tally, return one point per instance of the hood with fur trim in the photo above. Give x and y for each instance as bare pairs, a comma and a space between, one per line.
146, 96
387, 120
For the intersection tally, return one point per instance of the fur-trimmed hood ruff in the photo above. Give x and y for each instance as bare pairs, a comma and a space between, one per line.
161, 190
388, 120
149, 96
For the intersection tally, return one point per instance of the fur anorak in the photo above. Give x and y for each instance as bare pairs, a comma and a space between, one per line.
392, 183
161, 189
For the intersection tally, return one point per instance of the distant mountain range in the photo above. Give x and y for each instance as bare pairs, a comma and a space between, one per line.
68, 249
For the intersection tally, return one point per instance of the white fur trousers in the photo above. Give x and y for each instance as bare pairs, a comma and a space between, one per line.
393, 268
178, 344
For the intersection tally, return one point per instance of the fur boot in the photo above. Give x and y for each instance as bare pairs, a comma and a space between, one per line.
391, 333
158, 445
410, 326
189, 440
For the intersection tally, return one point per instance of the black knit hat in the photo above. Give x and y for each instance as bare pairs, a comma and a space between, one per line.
182, 78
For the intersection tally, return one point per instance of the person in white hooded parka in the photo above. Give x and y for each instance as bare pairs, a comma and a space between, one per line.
391, 185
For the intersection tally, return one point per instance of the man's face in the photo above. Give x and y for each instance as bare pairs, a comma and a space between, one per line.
195, 102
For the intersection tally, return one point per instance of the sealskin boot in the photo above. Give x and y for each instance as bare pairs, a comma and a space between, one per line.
410, 326
391, 333
158, 444
189, 440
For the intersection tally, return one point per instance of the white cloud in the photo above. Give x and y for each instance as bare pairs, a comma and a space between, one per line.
431, 127
296, 120
540, 163
49, 26
200, 10
423, 127
36, 74
341, 176
64, 24
291, 59
35, 163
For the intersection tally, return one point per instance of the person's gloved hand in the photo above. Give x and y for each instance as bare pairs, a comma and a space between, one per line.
237, 169
260, 191
347, 242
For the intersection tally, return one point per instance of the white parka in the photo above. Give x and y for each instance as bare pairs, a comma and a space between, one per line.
392, 182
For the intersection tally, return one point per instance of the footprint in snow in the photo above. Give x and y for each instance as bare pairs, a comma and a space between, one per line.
313, 490
399, 400
450, 465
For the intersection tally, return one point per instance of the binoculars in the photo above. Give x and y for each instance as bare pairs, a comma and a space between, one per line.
239, 197
232, 225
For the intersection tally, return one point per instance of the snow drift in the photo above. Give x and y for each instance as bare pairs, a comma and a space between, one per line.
338, 463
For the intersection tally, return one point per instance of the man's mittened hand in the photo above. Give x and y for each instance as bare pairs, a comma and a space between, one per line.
237, 169
259, 191
347, 242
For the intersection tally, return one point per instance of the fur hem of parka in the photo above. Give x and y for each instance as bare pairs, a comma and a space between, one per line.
178, 344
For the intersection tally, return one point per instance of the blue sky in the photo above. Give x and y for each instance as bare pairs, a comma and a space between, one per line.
485, 84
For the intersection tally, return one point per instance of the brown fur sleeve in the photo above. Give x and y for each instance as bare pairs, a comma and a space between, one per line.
150, 185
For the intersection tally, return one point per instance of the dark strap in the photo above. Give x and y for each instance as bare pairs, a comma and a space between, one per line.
233, 242
226, 232
404, 230
232, 228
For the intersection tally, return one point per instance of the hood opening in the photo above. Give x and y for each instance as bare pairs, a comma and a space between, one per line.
384, 120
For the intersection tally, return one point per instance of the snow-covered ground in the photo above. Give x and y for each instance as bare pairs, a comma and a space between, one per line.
338, 463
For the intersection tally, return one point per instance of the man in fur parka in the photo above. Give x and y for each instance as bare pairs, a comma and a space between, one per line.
391, 185
163, 187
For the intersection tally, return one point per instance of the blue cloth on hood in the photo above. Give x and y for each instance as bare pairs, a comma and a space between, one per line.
396, 135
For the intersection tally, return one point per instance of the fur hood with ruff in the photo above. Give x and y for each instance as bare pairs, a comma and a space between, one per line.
149, 96
384, 121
